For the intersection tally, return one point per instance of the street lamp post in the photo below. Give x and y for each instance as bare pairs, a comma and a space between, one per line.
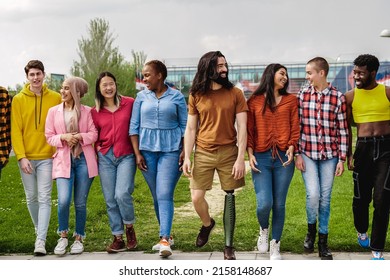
385, 33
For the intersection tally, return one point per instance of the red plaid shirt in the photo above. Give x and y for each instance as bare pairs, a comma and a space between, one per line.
323, 123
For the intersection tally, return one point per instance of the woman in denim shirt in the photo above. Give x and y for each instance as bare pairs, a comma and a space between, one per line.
157, 128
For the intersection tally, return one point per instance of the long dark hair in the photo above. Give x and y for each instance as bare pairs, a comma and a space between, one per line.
267, 85
99, 98
207, 71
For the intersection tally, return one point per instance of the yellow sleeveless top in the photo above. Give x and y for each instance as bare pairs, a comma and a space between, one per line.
371, 105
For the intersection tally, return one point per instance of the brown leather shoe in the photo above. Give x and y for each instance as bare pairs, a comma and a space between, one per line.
131, 239
228, 253
118, 245
204, 233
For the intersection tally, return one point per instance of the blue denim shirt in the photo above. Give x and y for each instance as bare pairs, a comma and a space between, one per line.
159, 122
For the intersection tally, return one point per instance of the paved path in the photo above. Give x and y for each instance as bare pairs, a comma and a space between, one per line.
177, 255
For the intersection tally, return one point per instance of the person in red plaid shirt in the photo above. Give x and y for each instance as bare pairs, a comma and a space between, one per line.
322, 149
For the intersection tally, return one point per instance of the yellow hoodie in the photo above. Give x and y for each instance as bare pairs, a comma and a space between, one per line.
28, 117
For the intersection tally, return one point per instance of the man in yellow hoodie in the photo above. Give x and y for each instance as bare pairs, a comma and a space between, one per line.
34, 154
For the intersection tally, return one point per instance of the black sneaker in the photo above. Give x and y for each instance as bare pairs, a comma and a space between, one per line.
204, 233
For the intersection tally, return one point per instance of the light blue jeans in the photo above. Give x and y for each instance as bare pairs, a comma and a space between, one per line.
38, 187
117, 180
271, 187
318, 178
80, 183
162, 176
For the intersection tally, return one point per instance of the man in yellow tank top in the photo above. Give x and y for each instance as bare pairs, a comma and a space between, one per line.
368, 106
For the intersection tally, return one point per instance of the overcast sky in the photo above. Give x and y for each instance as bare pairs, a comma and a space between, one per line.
246, 31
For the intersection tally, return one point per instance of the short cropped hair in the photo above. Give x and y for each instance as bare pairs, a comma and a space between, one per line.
320, 64
368, 60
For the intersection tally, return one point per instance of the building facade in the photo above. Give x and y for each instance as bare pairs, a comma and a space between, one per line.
247, 76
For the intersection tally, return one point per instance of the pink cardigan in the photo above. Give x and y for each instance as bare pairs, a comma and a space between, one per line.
55, 126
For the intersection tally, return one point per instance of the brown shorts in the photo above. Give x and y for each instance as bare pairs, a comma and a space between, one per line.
205, 164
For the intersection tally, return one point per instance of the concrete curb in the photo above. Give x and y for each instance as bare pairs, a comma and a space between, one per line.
178, 255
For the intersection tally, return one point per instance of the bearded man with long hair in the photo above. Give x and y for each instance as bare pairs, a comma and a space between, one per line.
216, 126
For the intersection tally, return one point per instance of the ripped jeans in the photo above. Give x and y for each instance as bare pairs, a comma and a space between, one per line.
371, 176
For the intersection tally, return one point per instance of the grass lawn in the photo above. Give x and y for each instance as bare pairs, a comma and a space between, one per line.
17, 232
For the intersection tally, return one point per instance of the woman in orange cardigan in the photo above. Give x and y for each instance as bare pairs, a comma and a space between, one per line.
273, 133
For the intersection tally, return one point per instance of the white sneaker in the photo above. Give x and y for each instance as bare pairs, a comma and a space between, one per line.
157, 246
262, 241
274, 251
165, 249
40, 247
60, 249
76, 248
378, 256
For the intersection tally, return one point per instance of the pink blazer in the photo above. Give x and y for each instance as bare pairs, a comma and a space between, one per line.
55, 126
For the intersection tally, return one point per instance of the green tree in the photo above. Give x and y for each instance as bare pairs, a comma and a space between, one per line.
54, 84
97, 54
16, 90
139, 59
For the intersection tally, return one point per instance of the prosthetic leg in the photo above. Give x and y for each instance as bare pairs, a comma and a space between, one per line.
229, 221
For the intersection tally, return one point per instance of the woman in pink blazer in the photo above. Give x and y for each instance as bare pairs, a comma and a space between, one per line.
69, 128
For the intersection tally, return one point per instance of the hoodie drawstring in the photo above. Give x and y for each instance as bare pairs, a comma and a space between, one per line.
38, 122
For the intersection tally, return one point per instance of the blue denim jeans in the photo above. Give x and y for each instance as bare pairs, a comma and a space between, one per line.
38, 187
318, 178
79, 183
117, 180
162, 176
271, 187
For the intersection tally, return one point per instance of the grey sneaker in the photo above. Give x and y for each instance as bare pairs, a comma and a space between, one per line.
60, 249
40, 249
165, 249
157, 246
76, 248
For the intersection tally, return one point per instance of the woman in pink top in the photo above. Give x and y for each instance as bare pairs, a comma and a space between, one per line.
69, 128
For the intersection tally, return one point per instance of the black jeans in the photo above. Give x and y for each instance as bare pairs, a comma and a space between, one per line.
371, 177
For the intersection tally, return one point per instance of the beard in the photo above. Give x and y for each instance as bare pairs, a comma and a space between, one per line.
223, 81
365, 82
